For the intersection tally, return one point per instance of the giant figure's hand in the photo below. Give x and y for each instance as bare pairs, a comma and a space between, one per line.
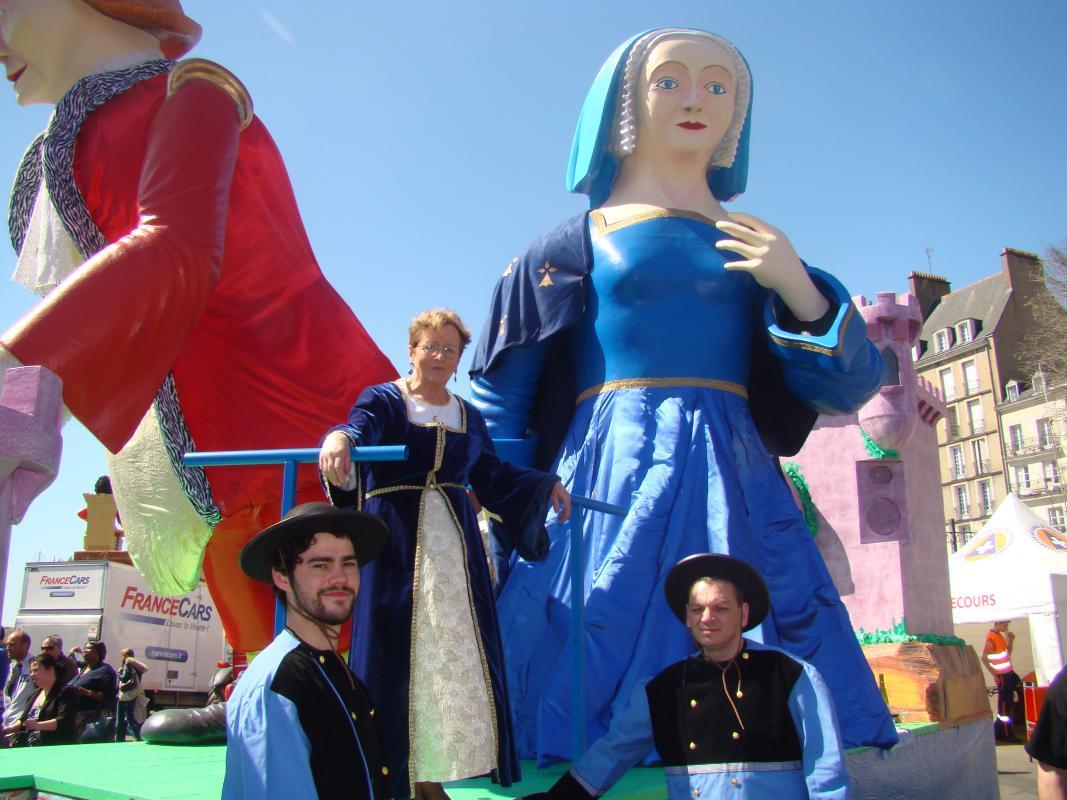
561, 502
771, 260
335, 460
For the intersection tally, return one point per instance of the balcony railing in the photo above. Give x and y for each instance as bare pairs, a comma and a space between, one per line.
963, 513
952, 431
1031, 445
977, 427
973, 388
1035, 489
981, 467
957, 473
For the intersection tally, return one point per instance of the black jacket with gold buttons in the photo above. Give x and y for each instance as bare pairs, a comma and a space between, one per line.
703, 713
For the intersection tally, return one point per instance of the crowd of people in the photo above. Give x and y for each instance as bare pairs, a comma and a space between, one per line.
55, 697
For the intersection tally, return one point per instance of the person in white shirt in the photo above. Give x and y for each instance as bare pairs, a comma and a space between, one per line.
19, 686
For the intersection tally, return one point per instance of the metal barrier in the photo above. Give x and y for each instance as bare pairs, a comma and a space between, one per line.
289, 459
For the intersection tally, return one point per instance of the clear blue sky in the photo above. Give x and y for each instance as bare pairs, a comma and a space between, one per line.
427, 144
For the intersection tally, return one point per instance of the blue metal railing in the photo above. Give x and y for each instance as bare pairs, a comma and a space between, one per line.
506, 449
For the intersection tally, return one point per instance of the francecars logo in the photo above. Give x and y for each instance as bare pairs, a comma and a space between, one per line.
65, 580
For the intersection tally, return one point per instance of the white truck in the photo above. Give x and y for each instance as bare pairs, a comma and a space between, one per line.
180, 639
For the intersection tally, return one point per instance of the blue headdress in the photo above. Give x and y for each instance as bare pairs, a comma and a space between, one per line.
607, 125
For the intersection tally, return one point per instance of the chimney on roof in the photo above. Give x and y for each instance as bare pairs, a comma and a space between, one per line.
928, 290
1020, 268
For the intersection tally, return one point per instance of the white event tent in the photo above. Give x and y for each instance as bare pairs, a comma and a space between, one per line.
1016, 566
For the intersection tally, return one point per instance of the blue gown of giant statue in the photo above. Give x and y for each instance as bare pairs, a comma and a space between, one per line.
660, 381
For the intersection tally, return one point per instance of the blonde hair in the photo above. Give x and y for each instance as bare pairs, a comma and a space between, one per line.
434, 320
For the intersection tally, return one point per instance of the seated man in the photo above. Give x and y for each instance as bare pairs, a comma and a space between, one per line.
300, 723
737, 719
1048, 744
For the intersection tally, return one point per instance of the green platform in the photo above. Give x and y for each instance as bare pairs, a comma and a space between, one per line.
138, 771
931, 764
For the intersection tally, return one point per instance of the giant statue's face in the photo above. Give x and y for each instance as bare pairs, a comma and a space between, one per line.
687, 97
30, 51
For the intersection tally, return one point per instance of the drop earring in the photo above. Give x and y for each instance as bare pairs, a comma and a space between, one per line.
411, 368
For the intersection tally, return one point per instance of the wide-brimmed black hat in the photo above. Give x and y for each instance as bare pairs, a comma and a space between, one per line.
368, 532
717, 567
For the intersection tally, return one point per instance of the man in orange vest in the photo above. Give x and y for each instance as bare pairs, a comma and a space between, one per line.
996, 655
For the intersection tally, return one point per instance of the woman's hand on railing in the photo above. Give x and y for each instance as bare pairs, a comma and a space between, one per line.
335, 461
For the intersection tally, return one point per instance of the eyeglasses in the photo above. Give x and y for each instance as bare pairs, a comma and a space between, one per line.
434, 349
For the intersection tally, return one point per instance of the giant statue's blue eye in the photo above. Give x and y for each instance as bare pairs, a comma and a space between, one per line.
666, 83
715, 88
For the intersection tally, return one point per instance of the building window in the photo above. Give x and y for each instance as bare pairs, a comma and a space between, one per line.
948, 383
970, 376
985, 498
1015, 437
981, 463
1045, 437
1052, 476
1011, 391
1056, 518
952, 423
1038, 382
957, 466
941, 341
964, 332
963, 503
1022, 479
976, 416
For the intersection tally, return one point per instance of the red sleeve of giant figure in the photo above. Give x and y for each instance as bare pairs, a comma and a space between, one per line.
134, 303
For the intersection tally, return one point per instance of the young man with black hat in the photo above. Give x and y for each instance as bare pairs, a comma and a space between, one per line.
738, 719
300, 723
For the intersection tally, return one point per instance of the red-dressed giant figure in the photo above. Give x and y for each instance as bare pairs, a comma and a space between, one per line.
183, 309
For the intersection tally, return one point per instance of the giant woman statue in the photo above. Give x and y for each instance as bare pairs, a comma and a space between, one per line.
664, 351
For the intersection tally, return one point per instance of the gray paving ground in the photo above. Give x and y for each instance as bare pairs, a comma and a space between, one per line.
1015, 773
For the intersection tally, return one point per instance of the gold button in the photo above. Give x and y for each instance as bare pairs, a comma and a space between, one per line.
739, 694
322, 659
354, 715
692, 703
692, 745
735, 736
696, 793
745, 656
735, 781
385, 770
372, 712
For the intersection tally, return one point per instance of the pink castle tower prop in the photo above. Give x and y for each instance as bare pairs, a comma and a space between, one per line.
31, 409
881, 529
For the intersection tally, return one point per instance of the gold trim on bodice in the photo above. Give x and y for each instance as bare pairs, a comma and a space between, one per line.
662, 383
603, 226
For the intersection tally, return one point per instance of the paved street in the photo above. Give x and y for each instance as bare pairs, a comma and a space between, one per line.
1015, 773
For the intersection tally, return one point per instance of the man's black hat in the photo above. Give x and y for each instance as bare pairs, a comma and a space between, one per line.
721, 568
367, 531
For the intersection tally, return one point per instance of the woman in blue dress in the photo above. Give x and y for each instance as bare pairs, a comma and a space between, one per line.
664, 351
424, 629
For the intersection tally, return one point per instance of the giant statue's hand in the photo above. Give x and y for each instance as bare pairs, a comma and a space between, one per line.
772, 261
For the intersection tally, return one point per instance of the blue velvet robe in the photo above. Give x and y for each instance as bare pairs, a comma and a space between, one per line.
447, 461
663, 383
